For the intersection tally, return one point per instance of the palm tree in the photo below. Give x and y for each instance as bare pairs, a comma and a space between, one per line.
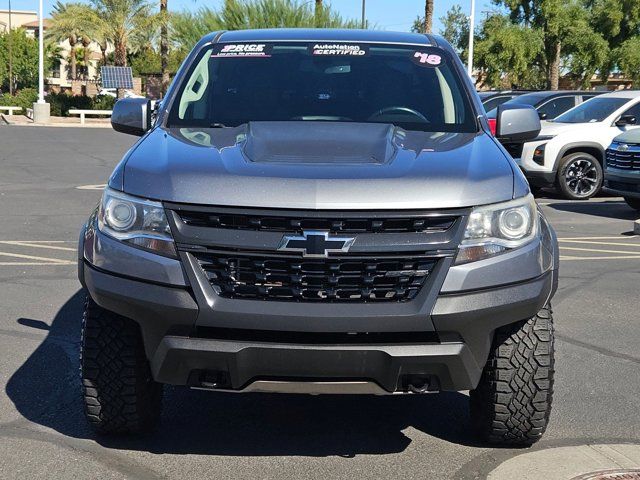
428, 16
121, 19
187, 28
69, 21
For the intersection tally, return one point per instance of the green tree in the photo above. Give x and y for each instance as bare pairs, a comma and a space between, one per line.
628, 55
456, 30
71, 22
553, 19
618, 21
507, 55
187, 27
120, 20
24, 58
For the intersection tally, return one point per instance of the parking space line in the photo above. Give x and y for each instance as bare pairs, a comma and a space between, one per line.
595, 242
616, 237
616, 257
623, 252
32, 257
22, 264
36, 245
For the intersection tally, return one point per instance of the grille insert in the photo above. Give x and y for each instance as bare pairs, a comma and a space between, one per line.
273, 223
624, 160
283, 278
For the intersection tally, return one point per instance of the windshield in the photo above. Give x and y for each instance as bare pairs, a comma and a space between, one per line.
413, 87
594, 110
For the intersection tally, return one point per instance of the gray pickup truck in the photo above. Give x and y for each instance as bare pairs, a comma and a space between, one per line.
319, 211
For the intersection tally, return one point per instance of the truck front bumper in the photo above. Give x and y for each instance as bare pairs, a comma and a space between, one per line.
452, 358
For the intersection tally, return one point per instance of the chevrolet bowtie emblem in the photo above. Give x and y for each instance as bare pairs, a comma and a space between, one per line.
315, 244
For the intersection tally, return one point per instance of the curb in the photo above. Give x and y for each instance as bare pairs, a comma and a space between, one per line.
563, 463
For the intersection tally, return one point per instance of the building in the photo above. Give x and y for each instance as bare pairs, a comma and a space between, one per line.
88, 58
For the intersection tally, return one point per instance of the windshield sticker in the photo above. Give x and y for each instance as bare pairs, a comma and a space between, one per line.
427, 59
243, 50
337, 49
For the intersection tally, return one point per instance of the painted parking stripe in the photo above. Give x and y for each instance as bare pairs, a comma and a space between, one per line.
596, 242
99, 186
600, 250
24, 264
37, 245
32, 257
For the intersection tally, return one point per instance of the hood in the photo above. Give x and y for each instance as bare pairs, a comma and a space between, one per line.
630, 136
318, 165
553, 128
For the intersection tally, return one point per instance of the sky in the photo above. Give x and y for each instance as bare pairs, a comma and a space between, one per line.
385, 14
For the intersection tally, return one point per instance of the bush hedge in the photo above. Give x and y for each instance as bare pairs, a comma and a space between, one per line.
60, 102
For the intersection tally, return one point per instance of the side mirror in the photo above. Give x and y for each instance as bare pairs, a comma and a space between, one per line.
625, 120
517, 123
132, 116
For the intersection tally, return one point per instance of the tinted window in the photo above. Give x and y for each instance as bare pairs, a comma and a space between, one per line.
595, 110
555, 107
415, 88
494, 102
635, 111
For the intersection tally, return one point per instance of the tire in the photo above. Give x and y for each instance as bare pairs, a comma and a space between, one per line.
512, 402
633, 202
580, 176
119, 393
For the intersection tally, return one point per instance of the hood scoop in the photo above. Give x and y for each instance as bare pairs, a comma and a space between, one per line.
320, 143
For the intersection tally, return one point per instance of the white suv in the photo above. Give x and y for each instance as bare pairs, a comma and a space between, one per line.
569, 152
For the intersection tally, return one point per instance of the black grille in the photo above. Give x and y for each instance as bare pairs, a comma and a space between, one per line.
514, 149
624, 160
275, 223
283, 278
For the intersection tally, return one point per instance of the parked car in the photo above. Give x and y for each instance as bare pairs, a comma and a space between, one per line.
569, 153
549, 105
492, 98
112, 92
320, 211
622, 168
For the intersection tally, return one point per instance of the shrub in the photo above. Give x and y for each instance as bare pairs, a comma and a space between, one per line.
104, 102
24, 98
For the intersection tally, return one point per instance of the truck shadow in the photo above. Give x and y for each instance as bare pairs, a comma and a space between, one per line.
45, 390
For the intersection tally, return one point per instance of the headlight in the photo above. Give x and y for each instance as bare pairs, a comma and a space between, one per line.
494, 229
137, 221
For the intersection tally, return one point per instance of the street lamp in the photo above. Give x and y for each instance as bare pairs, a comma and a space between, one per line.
471, 24
10, 45
364, 17
41, 109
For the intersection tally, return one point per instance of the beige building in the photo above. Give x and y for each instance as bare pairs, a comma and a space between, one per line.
88, 65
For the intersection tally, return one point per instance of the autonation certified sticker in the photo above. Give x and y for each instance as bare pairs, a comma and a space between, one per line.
243, 50
339, 49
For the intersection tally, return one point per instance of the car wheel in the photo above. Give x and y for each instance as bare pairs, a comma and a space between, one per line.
512, 402
120, 396
580, 176
633, 202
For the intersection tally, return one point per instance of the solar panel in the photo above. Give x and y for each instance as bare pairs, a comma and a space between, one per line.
116, 77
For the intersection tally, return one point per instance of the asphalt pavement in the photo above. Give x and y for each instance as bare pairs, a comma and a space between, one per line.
50, 179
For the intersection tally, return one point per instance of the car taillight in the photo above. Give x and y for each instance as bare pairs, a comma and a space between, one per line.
492, 125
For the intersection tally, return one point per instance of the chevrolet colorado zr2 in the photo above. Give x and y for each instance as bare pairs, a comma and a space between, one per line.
320, 211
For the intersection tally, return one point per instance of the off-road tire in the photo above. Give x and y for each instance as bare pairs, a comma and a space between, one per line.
119, 393
512, 402
570, 160
633, 202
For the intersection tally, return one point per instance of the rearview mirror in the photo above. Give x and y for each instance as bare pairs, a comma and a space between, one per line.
132, 116
625, 120
517, 123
